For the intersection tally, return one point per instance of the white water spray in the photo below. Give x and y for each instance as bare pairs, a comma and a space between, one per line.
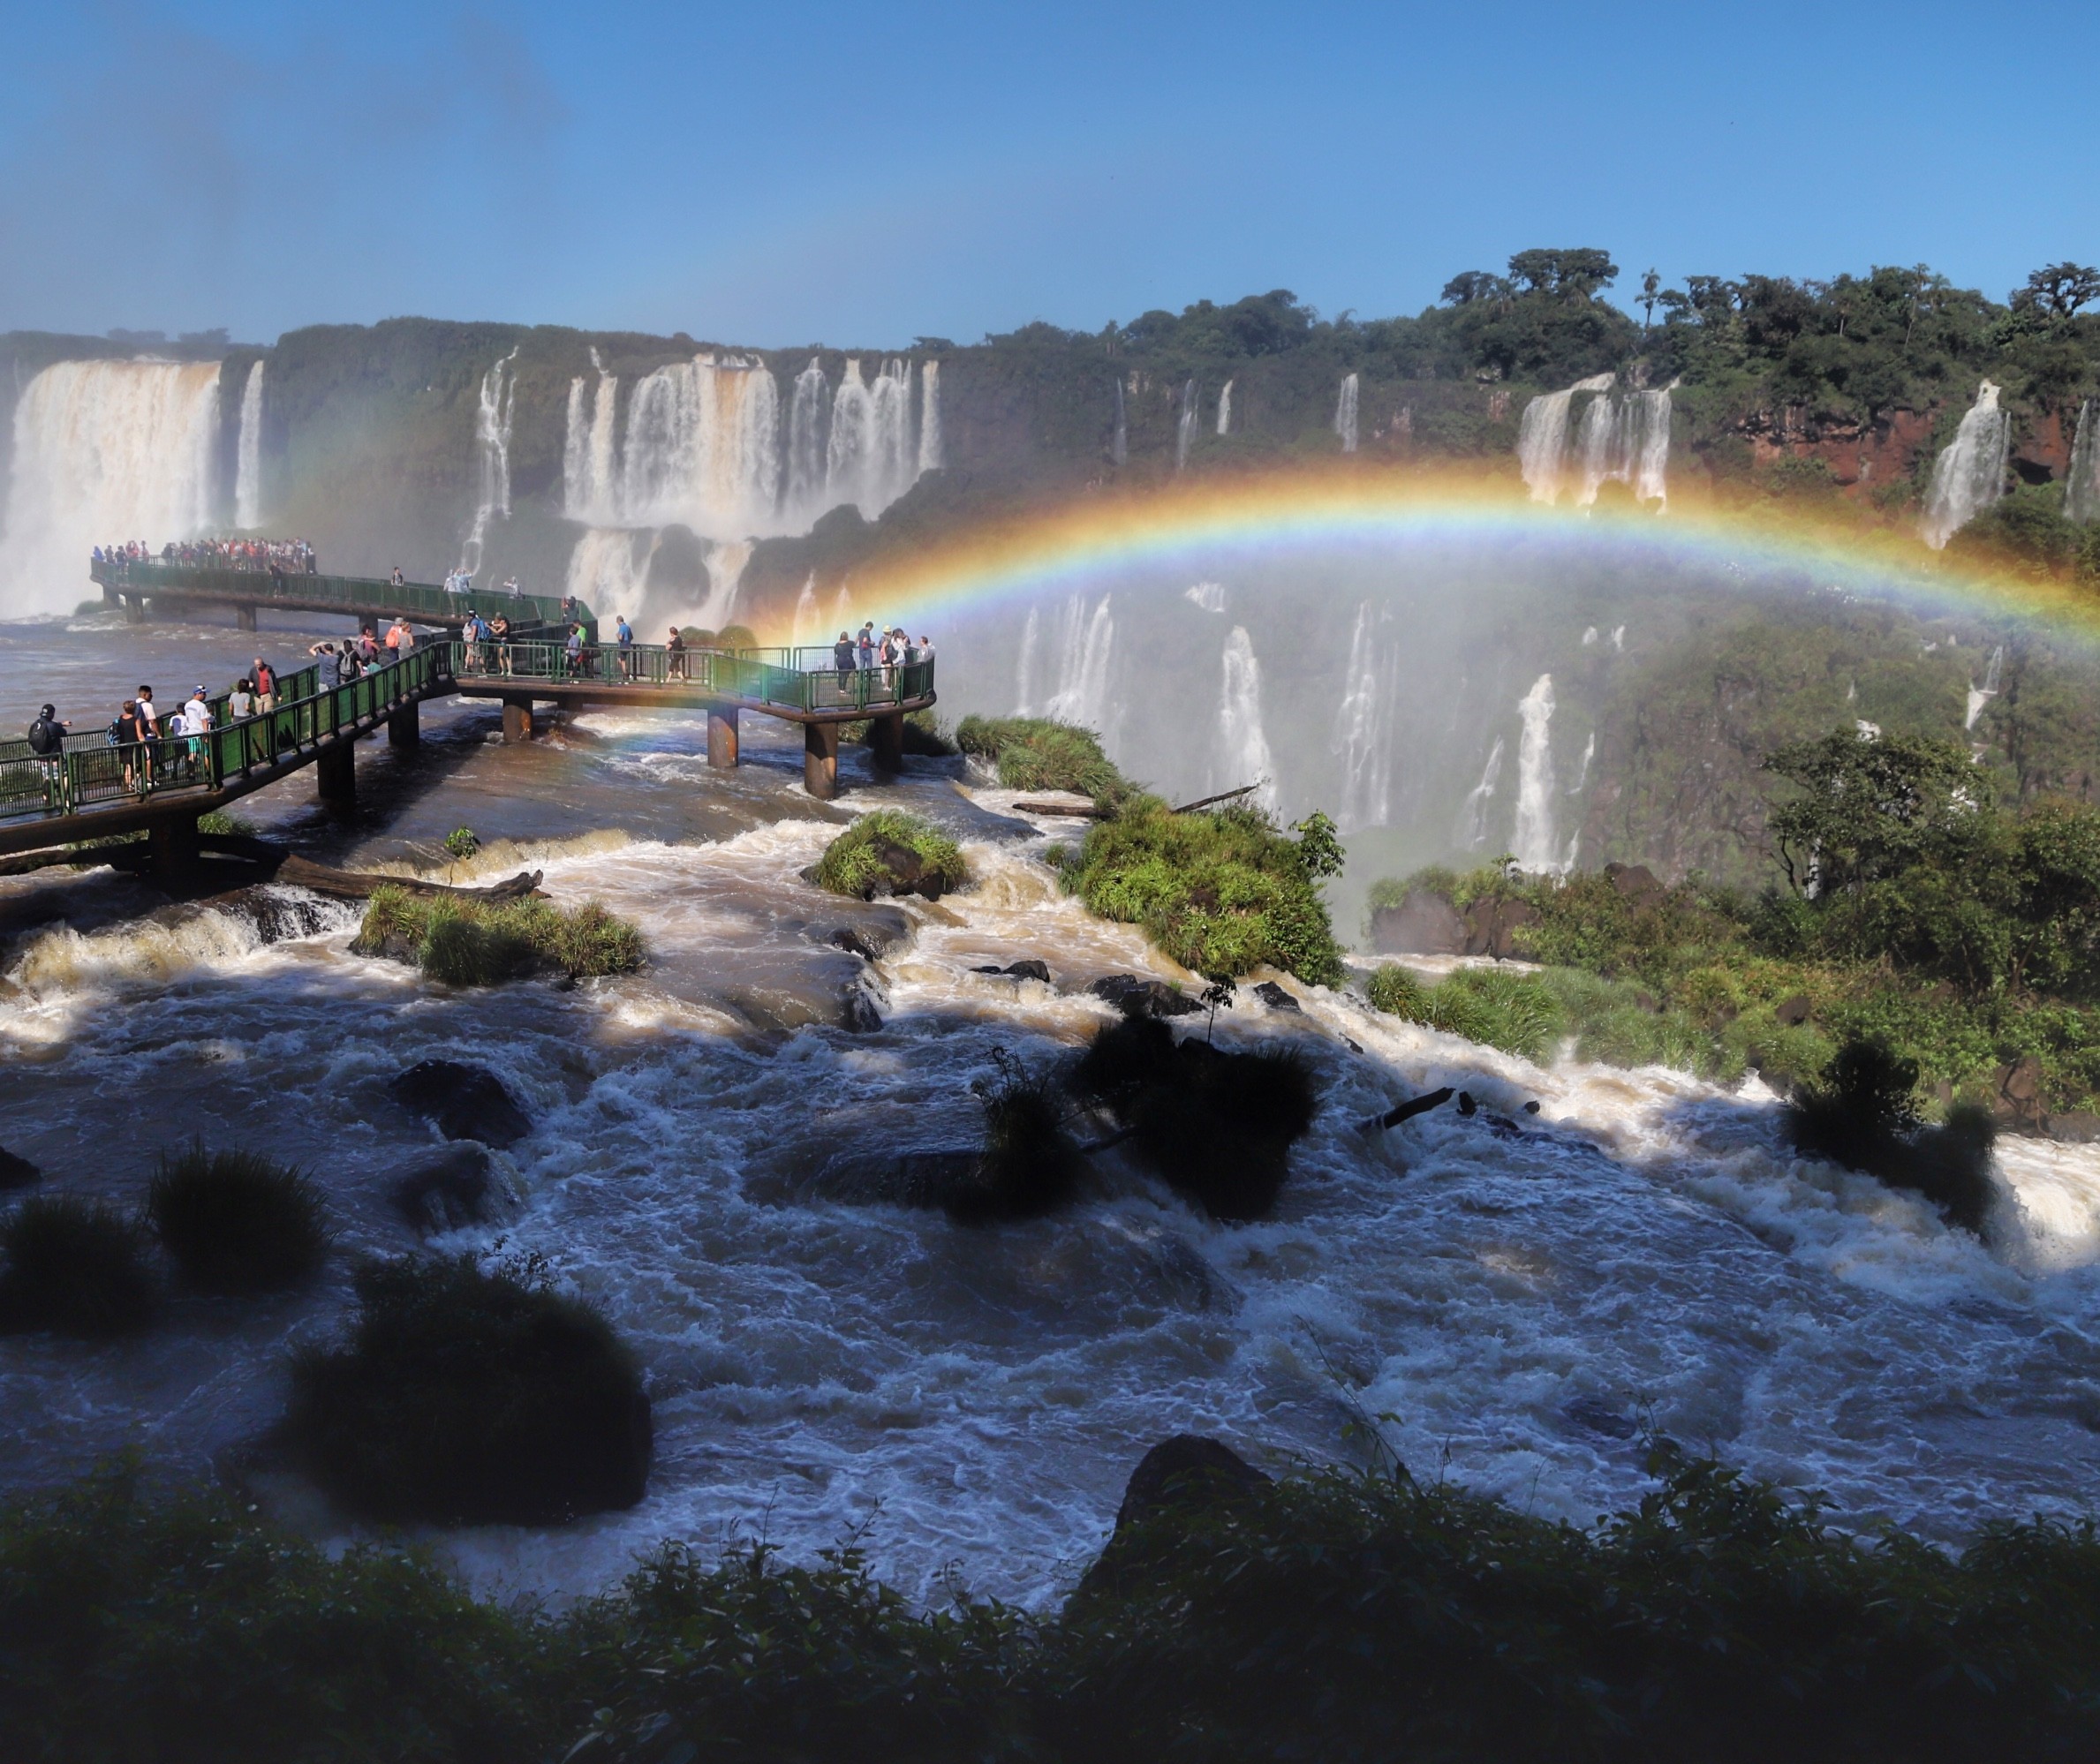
2082, 483
1471, 830
247, 456
930, 458
1085, 649
1969, 475
1981, 696
1184, 430
807, 415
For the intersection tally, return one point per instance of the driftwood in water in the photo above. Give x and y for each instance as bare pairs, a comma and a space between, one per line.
1078, 812
349, 886
1413, 1106
1222, 796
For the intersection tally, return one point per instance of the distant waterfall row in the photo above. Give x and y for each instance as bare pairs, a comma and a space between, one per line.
1620, 437
705, 445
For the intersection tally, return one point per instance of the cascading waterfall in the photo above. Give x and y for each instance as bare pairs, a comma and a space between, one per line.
929, 417
1583, 771
1243, 756
702, 448
1119, 448
1981, 696
492, 446
1345, 413
1542, 437
1623, 438
1024, 668
1533, 846
609, 568
1086, 646
1224, 409
1969, 475
589, 458
2082, 484
247, 454
1471, 830
105, 451
870, 460
1362, 737
1208, 595
808, 626
726, 560
808, 415
1184, 431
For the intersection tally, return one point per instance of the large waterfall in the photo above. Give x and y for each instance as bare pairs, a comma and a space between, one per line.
2082, 483
1345, 413
1184, 430
105, 451
1981, 695
809, 414
1362, 737
930, 453
1078, 690
1969, 475
1119, 446
493, 417
247, 454
1243, 754
1533, 846
1623, 438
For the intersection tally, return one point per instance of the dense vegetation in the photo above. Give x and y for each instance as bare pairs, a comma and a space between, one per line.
1035, 753
466, 942
890, 852
1334, 1615
1917, 912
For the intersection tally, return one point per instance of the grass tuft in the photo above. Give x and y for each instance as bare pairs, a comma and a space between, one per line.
1513, 1011
237, 1223
478, 943
890, 852
75, 1267
1035, 753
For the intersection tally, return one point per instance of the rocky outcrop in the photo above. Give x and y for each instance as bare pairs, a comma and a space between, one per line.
17, 1172
1491, 925
1138, 997
1276, 999
1423, 923
464, 1186
466, 1102
1186, 1474
1030, 969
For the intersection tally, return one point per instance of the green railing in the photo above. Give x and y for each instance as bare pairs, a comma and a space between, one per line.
354, 594
746, 674
86, 775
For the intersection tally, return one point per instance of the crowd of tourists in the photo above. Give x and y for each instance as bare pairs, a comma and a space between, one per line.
867, 652
273, 557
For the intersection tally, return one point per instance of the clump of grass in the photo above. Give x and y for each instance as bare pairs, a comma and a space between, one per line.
483, 943
467, 1396
237, 1223
890, 852
75, 1267
1513, 1011
1031, 1163
1863, 1114
1035, 753
1220, 893
218, 821
1219, 1125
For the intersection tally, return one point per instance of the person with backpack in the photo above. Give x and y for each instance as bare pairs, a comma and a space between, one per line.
46, 741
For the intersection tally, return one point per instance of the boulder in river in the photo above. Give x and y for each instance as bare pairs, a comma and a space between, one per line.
1275, 998
1185, 1476
1028, 970
17, 1172
1423, 923
461, 1185
1138, 997
466, 1102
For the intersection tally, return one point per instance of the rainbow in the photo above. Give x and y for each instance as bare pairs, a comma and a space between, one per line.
1211, 522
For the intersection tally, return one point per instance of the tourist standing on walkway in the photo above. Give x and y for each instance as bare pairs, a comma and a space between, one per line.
499, 630
843, 655
623, 639
395, 579
130, 735
575, 649
867, 647
367, 646
266, 686
240, 703
470, 632
196, 724
674, 646
328, 665
46, 741
408, 639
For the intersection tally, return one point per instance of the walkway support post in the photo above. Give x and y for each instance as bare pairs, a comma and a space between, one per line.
244, 618
172, 847
134, 609
518, 717
403, 727
336, 771
886, 739
722, 736
821, 760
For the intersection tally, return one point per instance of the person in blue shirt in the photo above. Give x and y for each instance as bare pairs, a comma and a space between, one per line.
625, 637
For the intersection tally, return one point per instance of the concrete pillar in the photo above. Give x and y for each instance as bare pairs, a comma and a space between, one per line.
518, 717
134, 609
111, 597
335, 770
403, 730
886, 742
821, 760
244, 618
721, 735
171, 846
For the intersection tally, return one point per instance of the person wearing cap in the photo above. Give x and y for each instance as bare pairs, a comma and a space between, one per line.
196, 724
46, 741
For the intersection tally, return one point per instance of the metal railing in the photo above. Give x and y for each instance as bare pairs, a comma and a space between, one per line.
354, 594
745, 674
93, 771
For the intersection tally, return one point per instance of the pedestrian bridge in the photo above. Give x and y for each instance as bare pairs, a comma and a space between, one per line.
92, 790
166, 586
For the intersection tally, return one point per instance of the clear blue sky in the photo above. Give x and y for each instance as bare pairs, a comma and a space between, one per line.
782, 171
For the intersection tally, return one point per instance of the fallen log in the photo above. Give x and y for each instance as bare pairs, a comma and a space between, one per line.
351, 885
1081, 811
1413, 1106
1222, 796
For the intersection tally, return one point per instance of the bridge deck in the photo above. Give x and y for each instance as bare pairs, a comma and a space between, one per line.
356, 597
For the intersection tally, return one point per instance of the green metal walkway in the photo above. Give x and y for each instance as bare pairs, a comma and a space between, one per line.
165, 587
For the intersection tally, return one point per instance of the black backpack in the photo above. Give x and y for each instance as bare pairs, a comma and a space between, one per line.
44, 737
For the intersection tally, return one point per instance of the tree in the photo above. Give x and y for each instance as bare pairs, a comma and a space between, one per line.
1651, 285
1474, 284
1564, 274
2059, 290
1872, 806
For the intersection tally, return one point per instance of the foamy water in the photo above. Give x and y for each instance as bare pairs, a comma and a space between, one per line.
1514, 1302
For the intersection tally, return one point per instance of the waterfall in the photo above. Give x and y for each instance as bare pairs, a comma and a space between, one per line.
1345, 413
105, 451
1583, 771
1969, 475
1224, 409
1981, 696
608, 570
806, 442
1119, 449
1533, 844
1243, 754
1542, 437
870, 461
1086, 646
702, 448
1024, 671
929, 417
492, 448
247, 454
807, 629
2082, 486
1650, 450
1471, 830
1208, 595
588, 454
726, 560
1184, 431
1362, 737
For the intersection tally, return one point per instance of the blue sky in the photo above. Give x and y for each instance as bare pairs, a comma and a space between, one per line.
792, 172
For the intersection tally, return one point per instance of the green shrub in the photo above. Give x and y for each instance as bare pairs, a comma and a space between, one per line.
73, 1267
889, 851
1219, 892
1034, 753
470, 1398
218, 821
1031, 1165
464, 942
462, 842
1513, 1011
237, 1222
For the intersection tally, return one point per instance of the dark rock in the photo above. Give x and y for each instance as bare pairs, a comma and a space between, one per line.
858, 1012
466, 1102
462, 1187
1599, 1416
1531, 1108
2081, 1126
1637, 882
1466, 1104
930, 1178
1275, 998
1019, 970
1491, 926
1138, 998
1793, 1011
1421, 924
1186, 1474
17, 1172
870, 934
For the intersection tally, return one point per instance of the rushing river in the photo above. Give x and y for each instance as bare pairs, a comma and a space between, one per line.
1512, 1306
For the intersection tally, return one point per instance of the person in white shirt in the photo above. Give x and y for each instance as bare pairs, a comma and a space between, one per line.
195, 720
240, 703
